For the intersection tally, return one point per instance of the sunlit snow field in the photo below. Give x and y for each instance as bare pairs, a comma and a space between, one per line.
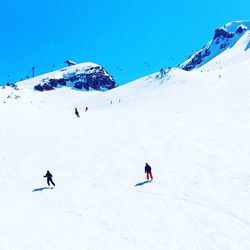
193, 128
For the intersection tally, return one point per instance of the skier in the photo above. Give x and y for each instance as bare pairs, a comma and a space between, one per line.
148, 171
77, 113
49, 178
86, 109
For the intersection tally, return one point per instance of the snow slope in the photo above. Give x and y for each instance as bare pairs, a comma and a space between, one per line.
191, 127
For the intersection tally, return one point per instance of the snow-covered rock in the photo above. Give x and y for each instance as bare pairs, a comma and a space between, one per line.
229, 45
70, 62
84, 76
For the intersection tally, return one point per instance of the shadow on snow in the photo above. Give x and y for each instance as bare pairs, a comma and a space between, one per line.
141, 183
39, 189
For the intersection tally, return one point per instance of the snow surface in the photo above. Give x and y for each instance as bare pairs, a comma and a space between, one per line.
191, 127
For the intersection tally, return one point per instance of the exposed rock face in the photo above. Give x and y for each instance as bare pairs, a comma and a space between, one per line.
240, 30
197, 59
221, 34
82, 77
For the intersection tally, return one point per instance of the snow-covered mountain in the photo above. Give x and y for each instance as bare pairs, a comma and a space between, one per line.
192, 127
230, 44
83, 76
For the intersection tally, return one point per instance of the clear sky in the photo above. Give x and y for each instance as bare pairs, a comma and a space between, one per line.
130, 38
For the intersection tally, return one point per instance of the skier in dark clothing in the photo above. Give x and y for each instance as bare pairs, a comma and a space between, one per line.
49, 178
148, 171
77, 113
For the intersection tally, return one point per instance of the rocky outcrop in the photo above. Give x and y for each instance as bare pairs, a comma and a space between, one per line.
197, 59
224, 38
81, 78
221, 34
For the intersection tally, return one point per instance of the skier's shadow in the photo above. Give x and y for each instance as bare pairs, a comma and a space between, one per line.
141, 183
39, 189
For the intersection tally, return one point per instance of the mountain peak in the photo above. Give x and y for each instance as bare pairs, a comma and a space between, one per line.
83, 76
225, 37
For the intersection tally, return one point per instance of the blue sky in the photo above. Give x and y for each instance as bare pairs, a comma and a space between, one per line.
130, 39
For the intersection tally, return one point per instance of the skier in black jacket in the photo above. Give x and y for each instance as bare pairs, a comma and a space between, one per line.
49, 178
77, 113
148, 171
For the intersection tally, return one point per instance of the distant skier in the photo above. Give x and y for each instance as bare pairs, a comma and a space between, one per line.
49, 178
86, 109
148, 171
77, 113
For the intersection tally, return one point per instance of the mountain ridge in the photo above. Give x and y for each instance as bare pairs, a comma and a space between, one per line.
227, 37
